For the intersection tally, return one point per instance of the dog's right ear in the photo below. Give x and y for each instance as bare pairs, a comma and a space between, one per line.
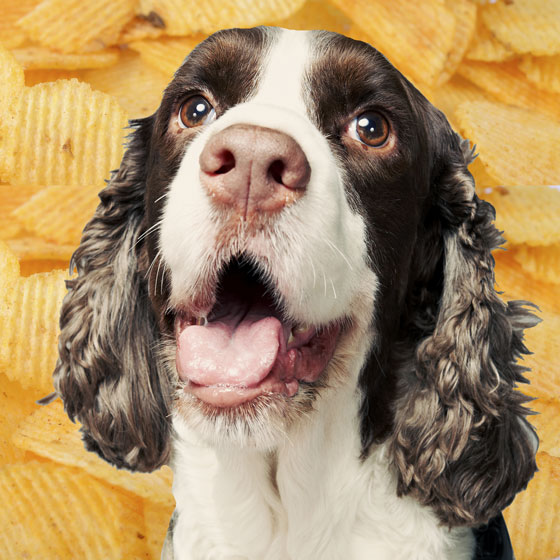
107, 373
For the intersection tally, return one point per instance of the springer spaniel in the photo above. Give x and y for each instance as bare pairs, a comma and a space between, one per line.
287, 294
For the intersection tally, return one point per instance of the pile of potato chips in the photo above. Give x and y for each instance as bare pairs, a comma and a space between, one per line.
73, 72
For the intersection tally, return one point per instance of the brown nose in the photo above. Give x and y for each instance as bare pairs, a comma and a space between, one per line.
253, 169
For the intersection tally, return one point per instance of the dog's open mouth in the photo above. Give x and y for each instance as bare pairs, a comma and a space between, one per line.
244, 348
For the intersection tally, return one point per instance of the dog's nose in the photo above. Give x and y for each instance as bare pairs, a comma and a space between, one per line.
253, 169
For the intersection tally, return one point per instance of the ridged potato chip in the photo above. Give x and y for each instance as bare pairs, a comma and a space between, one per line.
33, 266
33, 58
57, 213
486, 47
525, 25
528, 215
502, 133
29, 327
138, 29
182, 18
137, 86
34, 248
401, 29
73, 26
34, 77
63, 133
543, 71
156, 518
167, 54
10, 35
51, 434
11, 197
542, 263
547, 424
57, 512
317, 14
508, 84
536, 537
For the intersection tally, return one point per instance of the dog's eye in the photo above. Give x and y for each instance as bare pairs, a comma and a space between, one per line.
370, 128
195, 111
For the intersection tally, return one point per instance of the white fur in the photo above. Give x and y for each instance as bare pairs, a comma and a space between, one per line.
310, 496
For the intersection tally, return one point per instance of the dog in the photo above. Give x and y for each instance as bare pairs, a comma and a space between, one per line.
287, 294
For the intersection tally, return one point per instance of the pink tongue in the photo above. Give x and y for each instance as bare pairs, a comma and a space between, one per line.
229, 351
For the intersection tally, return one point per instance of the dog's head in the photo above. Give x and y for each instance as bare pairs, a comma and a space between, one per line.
294, 219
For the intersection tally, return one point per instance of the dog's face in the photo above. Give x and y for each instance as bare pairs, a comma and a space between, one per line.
286, 185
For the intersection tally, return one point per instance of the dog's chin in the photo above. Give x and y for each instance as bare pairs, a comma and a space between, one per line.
261, 423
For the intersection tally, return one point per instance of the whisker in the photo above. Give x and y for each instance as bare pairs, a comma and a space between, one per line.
335, 248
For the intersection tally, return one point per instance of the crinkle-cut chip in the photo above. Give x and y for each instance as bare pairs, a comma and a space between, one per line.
515, 283
33, 266
186, 18
56, 512
317, 14
485, 46
51, 434
525, 25
534, 517
457, 90
502, 133
465, 24
33, 58
544, 341
508, 84
9, 274
29, 327
543, 71
138, 29
63, 133
416, 37
547, 424
137, 86
167, 54
59, 213
482, 178
16, 405
34, 77
35, 248
74, 25
528, 215
12, 196
542, 263
156, 517
10, 35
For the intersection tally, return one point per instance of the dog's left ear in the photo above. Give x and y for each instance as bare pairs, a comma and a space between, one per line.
461, 442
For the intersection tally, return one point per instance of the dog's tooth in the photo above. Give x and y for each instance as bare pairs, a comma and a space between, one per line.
298, 329
201, 321
291, 338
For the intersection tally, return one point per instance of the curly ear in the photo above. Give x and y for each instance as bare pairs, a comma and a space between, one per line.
107, 374
461, 443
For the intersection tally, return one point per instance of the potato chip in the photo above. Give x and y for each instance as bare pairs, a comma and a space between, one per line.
58, 213
29, 327
72, 26
56, 512
33, 58
528, 215
547, 424
166, 55
543, 71
156, 518
416, 37
316, 14
137, 86
544, 341
534, 517
35, 248
12, 81
34, 77
10, 35
138, 29
33, 266
485, 46
525, 25
515, 283
63, 133
501, 133
482, 178
51, 434
10, 198
542, 263
16, 405
465, 24
185, 19
9, 275
508, 85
